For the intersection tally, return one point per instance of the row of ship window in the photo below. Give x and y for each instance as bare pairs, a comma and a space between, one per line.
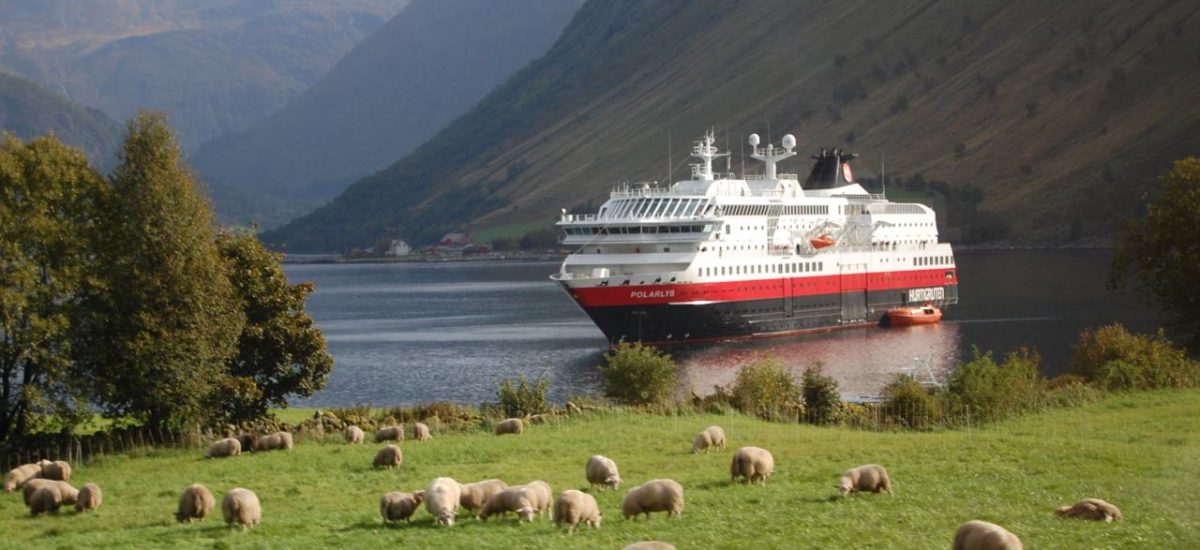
794, 267
638, 229
780, 210
656, 208
933, 260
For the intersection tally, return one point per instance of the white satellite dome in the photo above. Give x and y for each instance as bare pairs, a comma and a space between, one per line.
754, 140
789, 142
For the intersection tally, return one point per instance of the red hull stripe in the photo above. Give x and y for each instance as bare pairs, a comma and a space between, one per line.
759, 289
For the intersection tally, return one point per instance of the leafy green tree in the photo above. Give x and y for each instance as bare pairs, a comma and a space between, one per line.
821, 397
48, 195
638, 374
162, 318
281, 351
766, 389
1162, 249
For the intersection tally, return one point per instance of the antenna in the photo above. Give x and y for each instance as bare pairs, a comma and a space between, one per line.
742, 139
670, 169
883, 174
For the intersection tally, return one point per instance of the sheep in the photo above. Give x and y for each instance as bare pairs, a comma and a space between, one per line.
602, 471
575, 507
753, 464
17, 477
57, 470
541, 495
45, 500
397, 506
89, 498
539, 418
241, 506
981, 535
224, 448
871, 477
659, 495
513, 426
249, 442
196, 502
441, 500
421, 432
390, 433
1091, 508
712, 436
354, 435
649, 545
69, 494
473, 495
519, 499
388, 457
278, 441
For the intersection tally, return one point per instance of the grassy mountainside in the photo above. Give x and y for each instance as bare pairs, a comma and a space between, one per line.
28, 110
1140, 451
1062, 114
429, 64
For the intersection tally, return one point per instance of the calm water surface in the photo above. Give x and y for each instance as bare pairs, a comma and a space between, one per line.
417, 332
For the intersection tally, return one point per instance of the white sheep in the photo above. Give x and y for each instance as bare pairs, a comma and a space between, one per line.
981, 535
278, 441
1091, 508
89, 498
17, 477
659, 495
421, 432
473, 495
712, 436
870, 477
224, 448
390, 433
68, 493
649, 545
510, 426
753, 464
542, 496
518, 499
388, 457
196, 502
602, 471
240, 506
574, 507
441, 500
47, 499
58, 470
354, 434
397, 506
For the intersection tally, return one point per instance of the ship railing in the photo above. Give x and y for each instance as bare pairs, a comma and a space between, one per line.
579, 217
636, 192
778, 176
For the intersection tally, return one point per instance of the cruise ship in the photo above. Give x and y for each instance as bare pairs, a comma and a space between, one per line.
721, 257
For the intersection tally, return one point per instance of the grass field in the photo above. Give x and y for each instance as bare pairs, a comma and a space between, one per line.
1140, 451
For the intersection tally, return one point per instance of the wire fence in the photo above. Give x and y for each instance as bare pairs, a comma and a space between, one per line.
81, 449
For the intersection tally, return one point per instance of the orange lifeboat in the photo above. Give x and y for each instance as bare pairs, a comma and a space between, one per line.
909, 316
822, 241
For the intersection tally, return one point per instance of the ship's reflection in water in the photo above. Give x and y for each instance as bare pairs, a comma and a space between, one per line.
862, 361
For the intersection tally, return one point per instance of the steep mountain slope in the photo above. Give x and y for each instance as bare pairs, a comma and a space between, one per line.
28, 111
1061, 113
214, 66
402, 84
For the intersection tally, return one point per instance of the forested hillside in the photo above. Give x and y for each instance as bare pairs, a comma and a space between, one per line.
1049, 121
28, 111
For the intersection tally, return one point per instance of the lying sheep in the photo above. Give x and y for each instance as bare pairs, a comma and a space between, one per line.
240, 506
355, 435
69, 494
473, 495
575, 507
602, 471
421, 432
441, 500
1091, 508
539, 418
518, 499
981, 535
540, 495
278, 441
649, 545
659, 495
58, 470
47, 499
398, 506
89, 498
753, 464
510, 426
871, 477
390, 433
17, 477
196, 502
249, 442
224, 448
712, 436
388, 457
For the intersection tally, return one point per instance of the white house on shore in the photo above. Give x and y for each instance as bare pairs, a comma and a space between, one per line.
398, 248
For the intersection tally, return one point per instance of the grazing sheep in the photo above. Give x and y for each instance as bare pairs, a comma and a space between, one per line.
278, 441
69, 494
712, 436
224, 448
241, 506
659, 495
871, 477
540, 495
981, 535
473, 495
196, 502
510, 426
57, 470
539, 418
649, 545
397, 506
388, 457
575, 507
89, 498
355, 435
45, 500
602, 471
421, 432
249, 442
17, 477
33, 485
390, 433
441, 500
1091, 508
519, 499
753, 464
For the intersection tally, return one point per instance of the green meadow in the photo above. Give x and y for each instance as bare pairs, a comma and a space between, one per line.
1140, 451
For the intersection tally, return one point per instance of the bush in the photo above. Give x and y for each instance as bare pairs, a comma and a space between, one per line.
767, 390
638, 375
821, 399
523, 398
907, 403
1116, 359
993, 391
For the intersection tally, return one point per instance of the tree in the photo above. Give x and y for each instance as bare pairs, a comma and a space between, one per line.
638, 374
281, 351
48, 195
1162, 250
162, 318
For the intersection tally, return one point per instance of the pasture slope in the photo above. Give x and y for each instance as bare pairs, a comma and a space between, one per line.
1139, 450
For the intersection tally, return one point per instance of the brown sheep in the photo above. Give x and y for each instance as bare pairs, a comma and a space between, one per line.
712, 436
753, 464
871, 477
390, 433
421, 432
659, 495
224, 448
48, 499
57, 470
602, 471
196, 502
1091, 508
248, 441
575, 507
510, 426
240, 506
473, 495
17, 477
518, 499
89, 498
981, 535
354, 435
388, 457
398, 506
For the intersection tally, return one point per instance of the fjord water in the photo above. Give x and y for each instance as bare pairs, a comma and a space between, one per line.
406, 333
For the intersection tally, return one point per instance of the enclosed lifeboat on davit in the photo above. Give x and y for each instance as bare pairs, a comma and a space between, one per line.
909, 316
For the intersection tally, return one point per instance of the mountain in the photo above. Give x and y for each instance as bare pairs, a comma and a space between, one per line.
430, 63
213, 66
28, 110
1052, 119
